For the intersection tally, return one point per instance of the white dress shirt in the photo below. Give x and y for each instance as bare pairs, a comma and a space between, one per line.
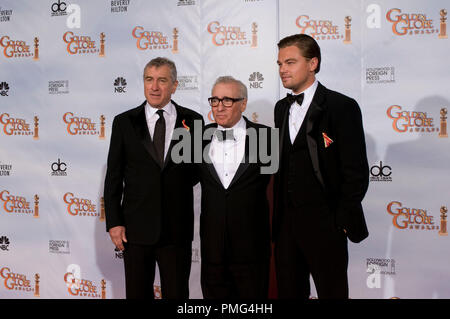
297, 112
227, 155
170, 116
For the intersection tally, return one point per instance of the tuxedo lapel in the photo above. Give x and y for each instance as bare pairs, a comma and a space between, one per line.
284, 123
178, 123
208, 161
141, 128
315, 113
246, 159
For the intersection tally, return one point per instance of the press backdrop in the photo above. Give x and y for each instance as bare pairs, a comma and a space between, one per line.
68, 67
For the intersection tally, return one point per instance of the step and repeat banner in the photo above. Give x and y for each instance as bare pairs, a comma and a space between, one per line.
68, 67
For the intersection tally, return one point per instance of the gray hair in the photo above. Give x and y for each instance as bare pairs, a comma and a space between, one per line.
160, 61
230, 79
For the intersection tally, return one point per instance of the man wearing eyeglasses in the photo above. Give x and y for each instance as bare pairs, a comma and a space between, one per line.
234, 222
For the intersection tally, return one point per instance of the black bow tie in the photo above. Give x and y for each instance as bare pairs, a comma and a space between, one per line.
295, 98
223, 135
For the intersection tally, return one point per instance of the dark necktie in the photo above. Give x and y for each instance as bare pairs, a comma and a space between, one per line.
223, 135
159, 136
295, 98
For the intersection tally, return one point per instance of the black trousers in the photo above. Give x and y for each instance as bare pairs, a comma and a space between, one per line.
235, 281
310, 244
174, 263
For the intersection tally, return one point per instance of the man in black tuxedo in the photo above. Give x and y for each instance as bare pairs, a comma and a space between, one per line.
148, 197
322, 179
234, 220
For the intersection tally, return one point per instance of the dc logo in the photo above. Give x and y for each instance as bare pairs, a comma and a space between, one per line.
4, 88
59, 7
59, 168
380, 170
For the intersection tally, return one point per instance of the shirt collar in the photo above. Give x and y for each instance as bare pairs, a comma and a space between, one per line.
150, 110
309, 92
239, 129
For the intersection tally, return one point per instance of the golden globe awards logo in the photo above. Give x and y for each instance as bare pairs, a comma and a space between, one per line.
410, 218
77, 125
19, 282
80, 206
411, 23
17, 204
406, 121
83, 44
18, 126
324, 29
19, 48
233, 35
155, 40
84, 287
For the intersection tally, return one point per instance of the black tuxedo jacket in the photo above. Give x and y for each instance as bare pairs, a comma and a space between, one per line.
141, 195
340, 167
234, 222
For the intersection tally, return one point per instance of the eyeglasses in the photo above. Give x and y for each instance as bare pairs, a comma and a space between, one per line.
226, 101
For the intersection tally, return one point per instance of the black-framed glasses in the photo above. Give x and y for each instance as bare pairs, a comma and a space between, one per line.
226, 101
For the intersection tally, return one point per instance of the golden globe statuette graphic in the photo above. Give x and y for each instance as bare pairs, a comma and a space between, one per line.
175, 41
102, 45
254, 35
348, 31
443, 31
255, 117
36, 286
103, 289
36, 48
36, 206
443, 131
157, 292
102, 127
102, 209
443, 230
36, 128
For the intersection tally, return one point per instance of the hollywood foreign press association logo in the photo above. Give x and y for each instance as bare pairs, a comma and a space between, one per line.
187, 82
256, 80
58, 87
378, 75
59, 246
120, 85
4, 88
4, 243
376, 267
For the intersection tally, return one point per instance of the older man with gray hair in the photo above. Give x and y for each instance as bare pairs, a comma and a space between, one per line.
149, 196
234, 222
